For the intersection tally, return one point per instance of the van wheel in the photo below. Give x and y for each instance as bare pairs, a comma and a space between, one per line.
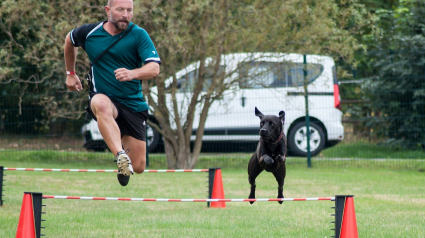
152, 139
297, 139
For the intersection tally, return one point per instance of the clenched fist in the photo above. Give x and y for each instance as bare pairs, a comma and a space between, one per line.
73, 83
123, 74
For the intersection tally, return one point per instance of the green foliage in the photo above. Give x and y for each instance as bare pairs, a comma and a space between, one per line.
32, 34
396, 90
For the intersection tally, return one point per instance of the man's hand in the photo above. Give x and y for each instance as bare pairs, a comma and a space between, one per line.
73, 83
123, 74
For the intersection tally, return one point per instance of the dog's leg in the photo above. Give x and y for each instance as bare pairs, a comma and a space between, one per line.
254, 169
280, 174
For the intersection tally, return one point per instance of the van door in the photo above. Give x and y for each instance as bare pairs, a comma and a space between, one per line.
267, 86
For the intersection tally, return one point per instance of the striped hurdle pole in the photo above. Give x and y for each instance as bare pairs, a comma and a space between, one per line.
345, 221
190, 200
105, 170
211, 175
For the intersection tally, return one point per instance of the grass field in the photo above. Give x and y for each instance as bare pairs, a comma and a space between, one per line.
388, 203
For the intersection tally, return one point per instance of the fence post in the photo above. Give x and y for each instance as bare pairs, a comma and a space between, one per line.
307, 116
147, 146
1, 185
37, 205
211, 175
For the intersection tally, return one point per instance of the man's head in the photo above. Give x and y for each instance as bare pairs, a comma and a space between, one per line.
119, 13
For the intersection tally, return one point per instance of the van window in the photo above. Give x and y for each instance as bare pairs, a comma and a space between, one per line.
187, 82
276, 74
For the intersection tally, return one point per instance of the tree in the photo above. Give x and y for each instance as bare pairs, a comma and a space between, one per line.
203, 31
32, 35
397, 90
184, 31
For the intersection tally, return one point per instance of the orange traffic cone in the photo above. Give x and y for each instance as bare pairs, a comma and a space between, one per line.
26, 225
218, 191
349, 224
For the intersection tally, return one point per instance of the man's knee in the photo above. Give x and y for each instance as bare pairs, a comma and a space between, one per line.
139, 169
139, 165
101, 104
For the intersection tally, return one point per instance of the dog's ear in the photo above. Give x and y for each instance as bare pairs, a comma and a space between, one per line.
258, 113
282, 117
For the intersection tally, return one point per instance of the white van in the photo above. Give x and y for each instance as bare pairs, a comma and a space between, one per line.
271, 82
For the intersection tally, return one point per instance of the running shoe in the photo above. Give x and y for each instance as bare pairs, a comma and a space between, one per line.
125, 169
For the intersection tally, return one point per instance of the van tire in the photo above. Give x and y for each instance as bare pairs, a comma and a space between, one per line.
297, 139
152, 139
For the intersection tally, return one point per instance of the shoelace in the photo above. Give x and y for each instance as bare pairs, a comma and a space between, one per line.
125, 152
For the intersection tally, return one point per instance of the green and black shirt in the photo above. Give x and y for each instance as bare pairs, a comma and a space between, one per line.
131, 52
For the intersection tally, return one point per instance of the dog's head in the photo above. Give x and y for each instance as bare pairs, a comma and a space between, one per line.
271, 126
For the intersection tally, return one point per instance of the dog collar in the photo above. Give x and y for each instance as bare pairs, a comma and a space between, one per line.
280, 138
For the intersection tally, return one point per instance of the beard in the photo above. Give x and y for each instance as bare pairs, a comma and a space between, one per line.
120, 25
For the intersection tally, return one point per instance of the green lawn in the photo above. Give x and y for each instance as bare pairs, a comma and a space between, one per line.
367, 150
388, 203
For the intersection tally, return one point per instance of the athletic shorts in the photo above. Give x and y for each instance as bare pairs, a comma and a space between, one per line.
130, 123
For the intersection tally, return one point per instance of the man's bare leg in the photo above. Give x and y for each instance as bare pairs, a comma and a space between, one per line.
106, 112
137, 152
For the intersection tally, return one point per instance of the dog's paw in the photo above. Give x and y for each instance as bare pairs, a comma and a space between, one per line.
269, 161
280, 202
281, 159
251, 197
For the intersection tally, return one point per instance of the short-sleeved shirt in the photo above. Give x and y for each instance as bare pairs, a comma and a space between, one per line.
131, 52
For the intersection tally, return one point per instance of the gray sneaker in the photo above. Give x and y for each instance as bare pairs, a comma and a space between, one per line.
125, 169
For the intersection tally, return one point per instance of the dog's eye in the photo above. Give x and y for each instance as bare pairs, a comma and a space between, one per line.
262, 124
271, 124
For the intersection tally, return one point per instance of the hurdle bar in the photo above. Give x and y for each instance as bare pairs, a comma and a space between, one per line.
341, 214
106, 170
190, 200
211, 175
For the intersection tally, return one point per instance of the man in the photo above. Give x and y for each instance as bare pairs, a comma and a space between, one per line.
116, 100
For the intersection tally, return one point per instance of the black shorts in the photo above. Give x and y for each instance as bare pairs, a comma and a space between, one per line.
130, 123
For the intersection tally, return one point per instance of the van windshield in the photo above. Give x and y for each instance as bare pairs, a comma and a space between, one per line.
276, 74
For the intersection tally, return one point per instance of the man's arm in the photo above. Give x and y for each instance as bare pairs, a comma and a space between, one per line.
147, 71
73, 83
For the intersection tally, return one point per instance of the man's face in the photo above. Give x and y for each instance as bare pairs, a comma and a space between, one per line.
120, 13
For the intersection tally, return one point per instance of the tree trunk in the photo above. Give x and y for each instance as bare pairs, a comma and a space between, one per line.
171, 156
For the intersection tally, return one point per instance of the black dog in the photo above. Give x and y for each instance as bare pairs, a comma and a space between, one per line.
271, 152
